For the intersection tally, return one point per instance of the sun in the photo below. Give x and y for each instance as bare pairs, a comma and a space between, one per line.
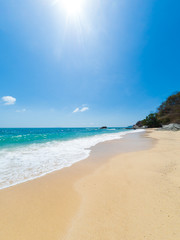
73, 7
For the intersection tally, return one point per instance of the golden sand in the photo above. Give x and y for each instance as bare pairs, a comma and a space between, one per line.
129, 196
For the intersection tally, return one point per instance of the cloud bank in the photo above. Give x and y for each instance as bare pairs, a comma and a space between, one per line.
8, 100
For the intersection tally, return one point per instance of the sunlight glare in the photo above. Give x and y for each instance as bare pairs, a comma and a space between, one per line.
73, 7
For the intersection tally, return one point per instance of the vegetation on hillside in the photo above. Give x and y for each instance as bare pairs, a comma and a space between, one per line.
151, 121
167, 112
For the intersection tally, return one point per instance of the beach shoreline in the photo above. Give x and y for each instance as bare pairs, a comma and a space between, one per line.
24, 162
100, 197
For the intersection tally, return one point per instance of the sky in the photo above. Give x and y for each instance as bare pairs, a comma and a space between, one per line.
86, 63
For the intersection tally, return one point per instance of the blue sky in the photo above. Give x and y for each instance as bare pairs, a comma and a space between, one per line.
111, 64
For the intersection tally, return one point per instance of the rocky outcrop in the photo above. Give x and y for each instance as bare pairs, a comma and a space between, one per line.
129, 127
104, 127
135, 126
171, 127
138, 127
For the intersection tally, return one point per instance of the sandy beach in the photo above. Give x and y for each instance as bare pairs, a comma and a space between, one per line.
127, 189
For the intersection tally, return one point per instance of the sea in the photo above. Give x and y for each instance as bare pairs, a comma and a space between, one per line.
28, 153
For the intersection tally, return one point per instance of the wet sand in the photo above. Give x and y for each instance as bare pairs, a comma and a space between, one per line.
127, 189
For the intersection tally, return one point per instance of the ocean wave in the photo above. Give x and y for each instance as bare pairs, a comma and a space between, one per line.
24, 163
111, 129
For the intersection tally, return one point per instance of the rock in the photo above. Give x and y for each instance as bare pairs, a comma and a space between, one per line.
139, 124
137, 127
104, 127
130, 127
171, 127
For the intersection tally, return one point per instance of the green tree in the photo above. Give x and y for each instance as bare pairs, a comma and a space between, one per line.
169, 110
151, 121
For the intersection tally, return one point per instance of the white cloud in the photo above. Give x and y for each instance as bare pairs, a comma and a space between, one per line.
8, 100
84, 109
21, 110
80, 109
76, 110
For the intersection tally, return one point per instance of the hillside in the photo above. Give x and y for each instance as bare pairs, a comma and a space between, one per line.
168, 112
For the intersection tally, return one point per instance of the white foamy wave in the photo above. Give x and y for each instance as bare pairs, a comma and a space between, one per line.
21, 164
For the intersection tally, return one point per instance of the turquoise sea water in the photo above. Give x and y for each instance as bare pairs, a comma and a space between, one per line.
27, 153
13, 137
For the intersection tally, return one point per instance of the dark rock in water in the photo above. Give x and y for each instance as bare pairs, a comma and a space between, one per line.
104, 127
171, 127
129, 127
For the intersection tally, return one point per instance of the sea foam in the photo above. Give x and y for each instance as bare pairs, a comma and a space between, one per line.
25, 163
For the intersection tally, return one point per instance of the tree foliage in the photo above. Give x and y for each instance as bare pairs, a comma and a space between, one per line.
151, 121
167, 112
